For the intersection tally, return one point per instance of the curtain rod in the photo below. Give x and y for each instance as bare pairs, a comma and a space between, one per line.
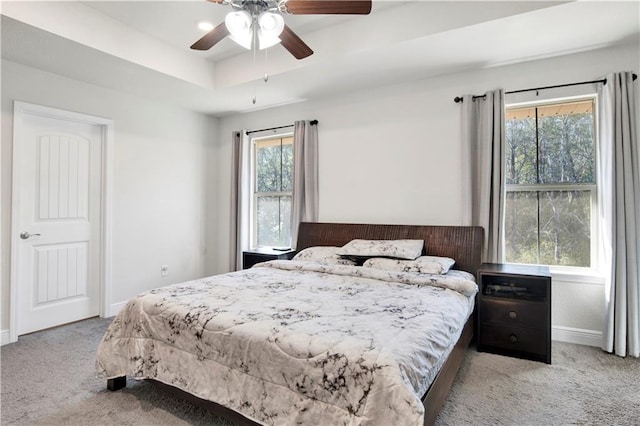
312, 122
459, 99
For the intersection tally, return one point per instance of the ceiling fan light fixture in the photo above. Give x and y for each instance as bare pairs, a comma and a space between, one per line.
267, 40
238, 21
270, 26
239, 25
271, 23
244, 40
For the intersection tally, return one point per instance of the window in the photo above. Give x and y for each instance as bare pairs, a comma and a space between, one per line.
550, 183
272, 191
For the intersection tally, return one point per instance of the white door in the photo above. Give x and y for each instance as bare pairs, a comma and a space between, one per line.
58, 220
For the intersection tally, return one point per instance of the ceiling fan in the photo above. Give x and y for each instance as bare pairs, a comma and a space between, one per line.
260, 22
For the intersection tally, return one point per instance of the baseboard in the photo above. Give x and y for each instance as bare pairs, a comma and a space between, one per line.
4, 337
576, 335
115, 308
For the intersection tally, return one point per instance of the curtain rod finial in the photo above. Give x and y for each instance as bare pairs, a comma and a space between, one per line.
458, 99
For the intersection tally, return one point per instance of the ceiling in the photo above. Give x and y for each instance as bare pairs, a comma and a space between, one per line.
142, 47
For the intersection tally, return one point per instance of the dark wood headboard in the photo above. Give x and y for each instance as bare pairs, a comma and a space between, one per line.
462, 243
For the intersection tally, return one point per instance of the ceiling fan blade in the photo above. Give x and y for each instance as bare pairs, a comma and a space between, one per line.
328, 7
211, 38
294, 44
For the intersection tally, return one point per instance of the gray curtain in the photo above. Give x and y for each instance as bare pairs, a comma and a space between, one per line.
304, 207
483, 181
240, 197
619, 209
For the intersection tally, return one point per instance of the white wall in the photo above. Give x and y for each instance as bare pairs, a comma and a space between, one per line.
161, 185
392, 155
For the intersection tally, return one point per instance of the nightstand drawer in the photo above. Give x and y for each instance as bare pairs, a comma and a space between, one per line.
513, 312
513, 338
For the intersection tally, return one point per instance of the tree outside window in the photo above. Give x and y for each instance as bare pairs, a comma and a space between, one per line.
550, 183
273, 189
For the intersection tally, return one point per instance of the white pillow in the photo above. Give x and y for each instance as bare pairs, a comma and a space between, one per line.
423, 264
326, 255
399, 249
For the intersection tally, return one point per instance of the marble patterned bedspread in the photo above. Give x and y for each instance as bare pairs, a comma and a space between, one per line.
291, 342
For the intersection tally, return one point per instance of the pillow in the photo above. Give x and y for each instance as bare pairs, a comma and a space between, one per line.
322, 254
399, 249
423, 264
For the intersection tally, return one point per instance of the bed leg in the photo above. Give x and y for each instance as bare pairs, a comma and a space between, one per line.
117, 383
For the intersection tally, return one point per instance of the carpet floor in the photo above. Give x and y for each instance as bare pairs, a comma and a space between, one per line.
48, 378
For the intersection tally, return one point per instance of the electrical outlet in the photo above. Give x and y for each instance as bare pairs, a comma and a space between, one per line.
164, 270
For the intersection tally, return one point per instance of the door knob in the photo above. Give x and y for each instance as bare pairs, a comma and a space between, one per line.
25, 235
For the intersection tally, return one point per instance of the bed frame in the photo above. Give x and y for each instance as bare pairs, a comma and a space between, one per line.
462, 243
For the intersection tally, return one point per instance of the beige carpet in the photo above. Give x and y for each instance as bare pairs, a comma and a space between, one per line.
583, 386
48, 379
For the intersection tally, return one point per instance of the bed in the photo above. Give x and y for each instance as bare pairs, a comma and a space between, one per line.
294, 342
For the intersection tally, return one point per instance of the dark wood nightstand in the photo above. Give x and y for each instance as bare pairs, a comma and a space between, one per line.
514, 311
253, 256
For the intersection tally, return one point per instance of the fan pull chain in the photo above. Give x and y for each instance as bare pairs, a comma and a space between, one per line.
254, 38
266, 61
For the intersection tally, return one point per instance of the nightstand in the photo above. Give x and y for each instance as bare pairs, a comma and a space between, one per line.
514, 311
253, 256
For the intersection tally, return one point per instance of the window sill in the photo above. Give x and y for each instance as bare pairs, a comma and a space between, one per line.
577, 276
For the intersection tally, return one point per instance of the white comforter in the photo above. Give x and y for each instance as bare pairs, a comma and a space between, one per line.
290, 342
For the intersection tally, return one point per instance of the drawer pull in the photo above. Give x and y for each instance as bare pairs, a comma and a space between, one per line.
513, 314
513, 338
